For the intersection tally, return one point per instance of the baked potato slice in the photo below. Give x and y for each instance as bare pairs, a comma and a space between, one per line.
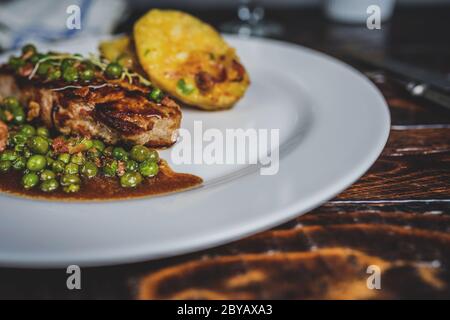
189, 59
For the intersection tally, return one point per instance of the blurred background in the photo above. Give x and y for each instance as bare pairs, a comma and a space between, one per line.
271, 3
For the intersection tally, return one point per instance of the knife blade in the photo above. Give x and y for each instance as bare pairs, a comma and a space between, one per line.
417, 81
405, 70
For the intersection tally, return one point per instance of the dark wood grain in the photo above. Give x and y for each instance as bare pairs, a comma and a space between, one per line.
397, 216
411, 141
414, 165
324, 254
322, 274
432, 216
412, 237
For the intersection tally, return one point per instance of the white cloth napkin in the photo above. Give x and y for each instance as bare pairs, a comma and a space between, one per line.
24, 21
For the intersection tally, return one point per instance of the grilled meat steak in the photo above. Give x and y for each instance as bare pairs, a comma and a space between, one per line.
113, 110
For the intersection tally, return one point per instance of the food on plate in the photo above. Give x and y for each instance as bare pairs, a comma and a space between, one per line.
185, 57
81, 128
121, 49
51, 163
189, 59
90, 97
35, 161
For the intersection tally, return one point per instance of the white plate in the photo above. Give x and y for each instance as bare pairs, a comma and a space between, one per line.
333, 125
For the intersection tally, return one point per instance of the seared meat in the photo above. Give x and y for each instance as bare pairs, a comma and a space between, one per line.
3, 135
114, 110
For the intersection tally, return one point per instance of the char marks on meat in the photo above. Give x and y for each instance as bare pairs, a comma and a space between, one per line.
113, 110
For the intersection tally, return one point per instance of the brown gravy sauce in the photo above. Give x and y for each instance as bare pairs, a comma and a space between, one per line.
104, 189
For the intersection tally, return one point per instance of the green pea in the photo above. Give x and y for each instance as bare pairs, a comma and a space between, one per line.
131, 166
54, 74
8, 155
50, 161
72, 188
47, 175
69, 179
20, 163
19, 115
87, 143
99, 145
93, 155
119, 153
139, 153
36, 57
30, 180
71, 168
49, 185
114, 70
78, 159
64, 157
94, 152
130, 179
89, 170
108, 151
15, 63
87, 75
5, 165
70, 74
44, 68
185, 87
19, 148
36, 162
67, 63
153, 155
148, 168
11, 103
27, 130
110, 168
58, 166
43, 132
29, 48
156, 94
19, 139
38, 144
27, 152
87, 64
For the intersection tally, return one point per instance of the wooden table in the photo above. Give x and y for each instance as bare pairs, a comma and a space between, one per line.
395, 217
